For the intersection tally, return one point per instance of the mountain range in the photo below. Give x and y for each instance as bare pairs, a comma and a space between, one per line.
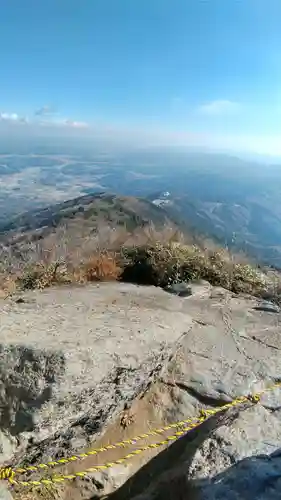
232, 200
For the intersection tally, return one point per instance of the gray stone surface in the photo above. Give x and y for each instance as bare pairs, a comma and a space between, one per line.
268, 307
71, 358
73, 355
200, 288
180, 289
232, 350
208, 463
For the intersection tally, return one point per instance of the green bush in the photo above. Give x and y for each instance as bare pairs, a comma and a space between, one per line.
163, 265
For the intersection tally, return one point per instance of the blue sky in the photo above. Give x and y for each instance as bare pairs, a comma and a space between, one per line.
207, 71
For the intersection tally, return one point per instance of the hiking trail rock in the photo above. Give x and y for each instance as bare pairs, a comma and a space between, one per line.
73, 359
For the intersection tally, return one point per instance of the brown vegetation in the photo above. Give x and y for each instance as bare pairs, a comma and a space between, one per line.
146, 256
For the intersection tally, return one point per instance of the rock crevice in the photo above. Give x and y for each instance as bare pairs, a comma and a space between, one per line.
73, 359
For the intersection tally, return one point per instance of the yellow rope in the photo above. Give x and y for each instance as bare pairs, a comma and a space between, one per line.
9, 474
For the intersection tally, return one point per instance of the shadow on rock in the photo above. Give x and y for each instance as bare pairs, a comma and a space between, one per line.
257, 477
164, 477
171, 475
26, 379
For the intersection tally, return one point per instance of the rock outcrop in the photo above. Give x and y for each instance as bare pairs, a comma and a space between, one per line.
75, 360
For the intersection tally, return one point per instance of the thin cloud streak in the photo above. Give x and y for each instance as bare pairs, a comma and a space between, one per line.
13, 123
219, 107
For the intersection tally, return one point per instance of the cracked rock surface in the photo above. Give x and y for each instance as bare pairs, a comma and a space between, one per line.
73, 358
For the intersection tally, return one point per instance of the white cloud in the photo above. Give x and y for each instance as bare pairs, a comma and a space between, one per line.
219, 107
61, 123
12, 118
9, 116
43, 118
74, 124
45, 110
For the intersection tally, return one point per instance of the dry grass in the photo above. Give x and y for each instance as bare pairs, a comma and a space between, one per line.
102, 267
46, 492
163, 265
69, 256
145, 256
99, 267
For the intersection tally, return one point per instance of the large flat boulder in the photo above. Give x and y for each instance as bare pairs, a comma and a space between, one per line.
82, 353
73, 358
